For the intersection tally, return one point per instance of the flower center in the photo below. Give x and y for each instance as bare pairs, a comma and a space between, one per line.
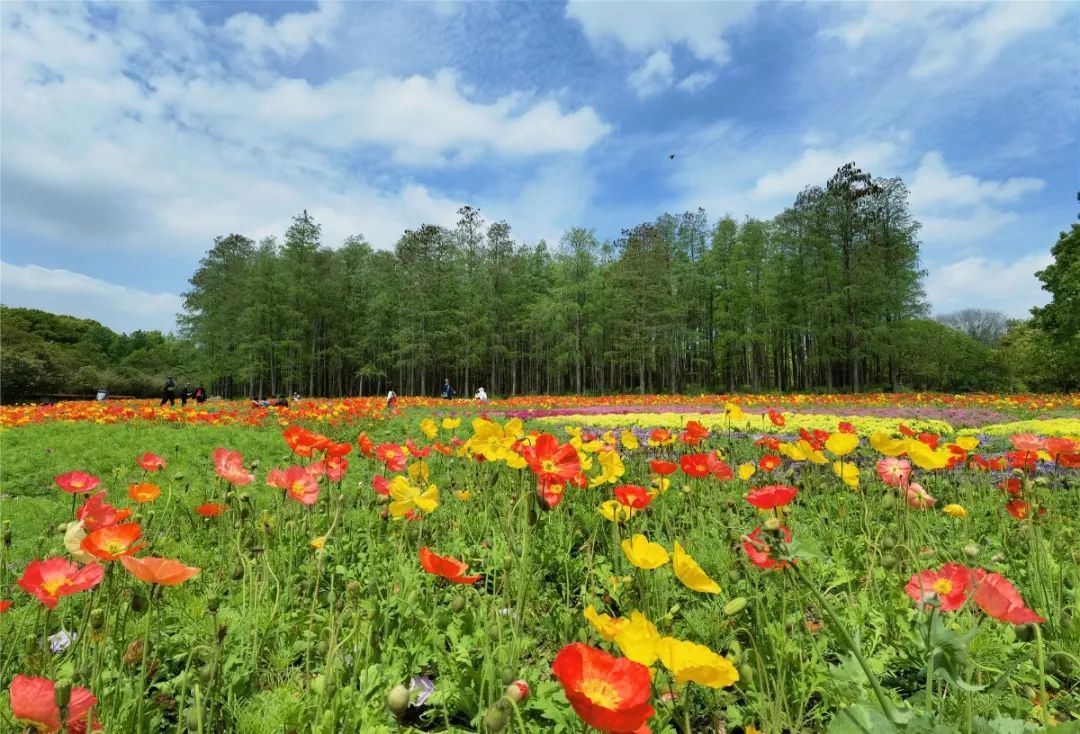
942, 586
115, 547
53, 585
549, 466
298, 487
601, 693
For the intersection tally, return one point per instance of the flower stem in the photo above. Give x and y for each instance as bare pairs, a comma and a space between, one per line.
1043, 702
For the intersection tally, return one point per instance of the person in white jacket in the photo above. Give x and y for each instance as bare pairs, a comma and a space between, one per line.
481, 395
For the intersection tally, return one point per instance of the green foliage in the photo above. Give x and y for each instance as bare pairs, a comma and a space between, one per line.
1060, 318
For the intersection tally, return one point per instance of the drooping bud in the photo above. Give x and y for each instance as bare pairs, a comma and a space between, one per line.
496, 719
398, 700
517, 691
735, 606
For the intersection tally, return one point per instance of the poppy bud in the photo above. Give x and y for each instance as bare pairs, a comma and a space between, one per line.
888, 562
746, 674
7, 533
246, 498
212, 604
318, 685
97, 618
508, 676
194, 718
138, 602
517, 691
888, 542
735, 606
398, 700
734, 576
458, 604
493, 632
222, 630
735, 651
971, 550
495, 719
1024, 632
238, 572
63, 693
206, 674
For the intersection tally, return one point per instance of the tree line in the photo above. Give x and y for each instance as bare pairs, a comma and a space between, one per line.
825, 296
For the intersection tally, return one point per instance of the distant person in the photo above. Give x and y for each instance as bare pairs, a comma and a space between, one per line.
200, 395
296, 397
102, 394
481, 395
168, 393
391, 400
447, 391
282, 402
185, 393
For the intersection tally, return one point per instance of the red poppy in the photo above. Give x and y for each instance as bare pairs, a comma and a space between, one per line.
718, 468
33, 702
661, 467
1018, 508
773, 495
211, 509
1058, 446
947, 587
695, 465
144, 492
77, 482
159, 570
229, 465
338, 449
276, 478
551, 462
633, 496
336, 467
760, 552
772, 443
660, 436
768, 462
816, 439
996, 596
53, 578
995, 463
1022, 459
367, 448
907, 431
392, 455
551, 493
5, 605
776, 418
97, 513
316, 468
846, 427
416, 451
113, 542
151, 462
301, 486
1012, 485
381, 485
608, 693
930, 439
447, 567
694, 433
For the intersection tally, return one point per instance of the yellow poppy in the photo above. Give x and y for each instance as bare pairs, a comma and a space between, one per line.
463, 494
615, 511
629, 440
318, 543
925, 457
419, 471
605, 625
811, 453
659, 485
842, 444
955, 511
643, 553
637, 639
848, 473
406, 497
967, 443
691, 574
734, 412
746, 470
885, 444
690, 662
429, 428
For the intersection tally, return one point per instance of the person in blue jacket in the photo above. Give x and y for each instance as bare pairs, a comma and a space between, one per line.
447, 391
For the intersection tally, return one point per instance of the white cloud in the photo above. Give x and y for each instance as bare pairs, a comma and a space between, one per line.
290, 36
948, 38
933, 185
981, 282
962, 227
697, 81
62, 291
817, 165
655, 75
180, 150
650, 25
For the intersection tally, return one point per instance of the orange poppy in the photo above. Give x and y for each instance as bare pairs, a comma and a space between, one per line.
144, 492
392, 455
367, 448
97, 513
774, 495
447, 567
229, 465
776, 418
760, 553
77, 482
633, 496
53, 578
301, 485
113, 542
719, 468
768, 462
336, 466
695, 465
211, 509
608, 693
162, 571
996, 596
661, 467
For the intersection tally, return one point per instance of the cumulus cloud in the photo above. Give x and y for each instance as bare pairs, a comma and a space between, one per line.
290, 36
696, 81
655, 75
1007, 286
143, 136
61, 291
650, 25
934, 185
817, 165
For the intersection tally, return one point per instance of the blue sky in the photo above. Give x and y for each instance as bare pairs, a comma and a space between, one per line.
132, 134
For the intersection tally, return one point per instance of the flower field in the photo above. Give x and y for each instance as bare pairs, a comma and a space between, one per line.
761, 563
